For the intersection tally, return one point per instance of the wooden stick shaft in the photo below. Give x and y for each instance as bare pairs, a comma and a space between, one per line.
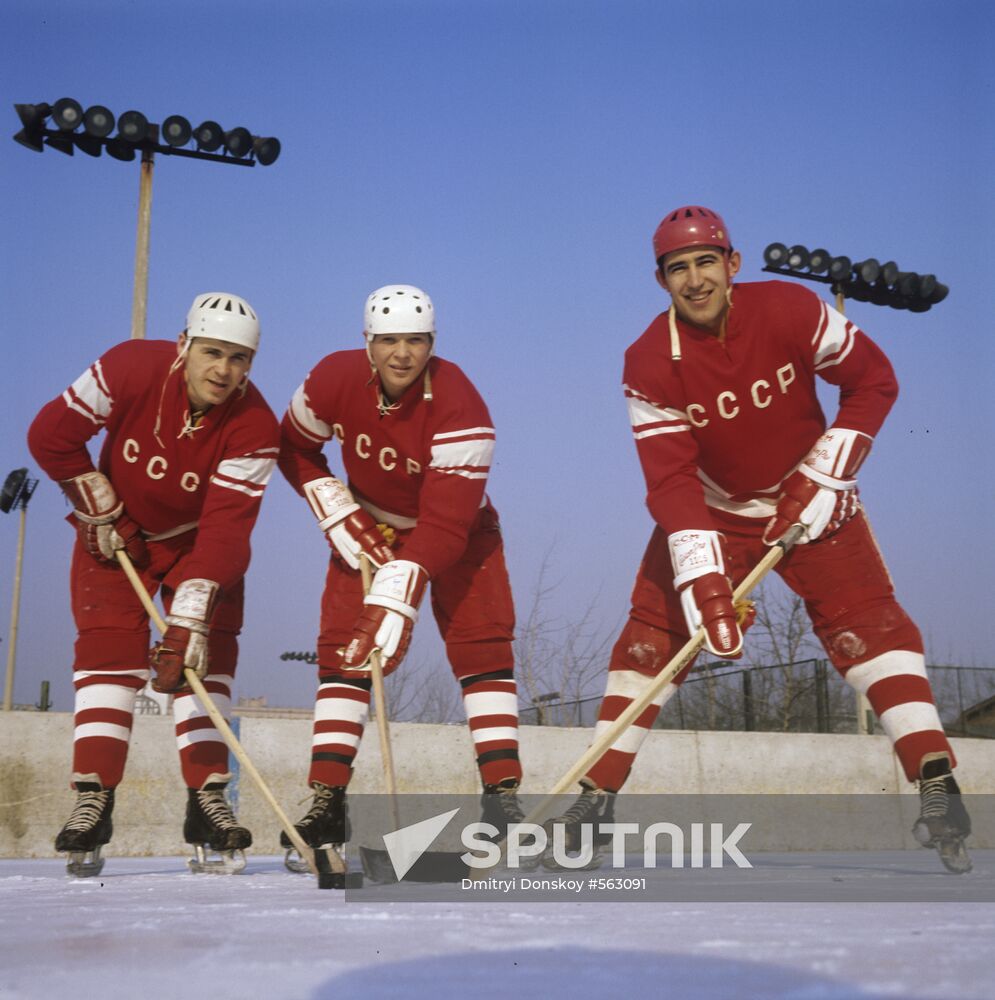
219, 720
380, 704
683, 657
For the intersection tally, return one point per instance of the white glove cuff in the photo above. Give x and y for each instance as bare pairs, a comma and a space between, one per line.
331, 500
393, 605
835, 458
194, 599
695, 553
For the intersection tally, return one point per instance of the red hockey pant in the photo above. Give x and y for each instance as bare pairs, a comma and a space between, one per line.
473, 608
111, 665
850, 599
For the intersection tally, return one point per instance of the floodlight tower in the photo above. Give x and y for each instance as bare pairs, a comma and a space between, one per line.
16, 492
90, 132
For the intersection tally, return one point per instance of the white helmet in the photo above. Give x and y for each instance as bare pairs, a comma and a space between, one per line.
222, 316
398, 309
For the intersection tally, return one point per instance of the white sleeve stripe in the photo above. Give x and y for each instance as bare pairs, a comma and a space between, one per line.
88, 391
306, 420
643, 412
73, 405
653, 431
835, 336
475, 452
247, 470
478, 431
460, 472
842, 356
239, 487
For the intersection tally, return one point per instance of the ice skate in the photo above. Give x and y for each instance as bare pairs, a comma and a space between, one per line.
324, 828
500, 807
211, 826
593, 807
943, 822
88, 828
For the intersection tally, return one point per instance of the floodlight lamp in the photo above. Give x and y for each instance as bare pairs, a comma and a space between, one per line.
889, 272
120, 150
12, 488
176, 130
798, 258
88, 144
868, 270
67, 114
266, 150
208, 136
29, 139
133, 127
238, 142
33, 115
840, 268
939, 293
775, 255
907, 284
818, 261
98, 121
63, 143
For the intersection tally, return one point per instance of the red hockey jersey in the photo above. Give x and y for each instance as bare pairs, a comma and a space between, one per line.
421, 463
720, 429
172, 476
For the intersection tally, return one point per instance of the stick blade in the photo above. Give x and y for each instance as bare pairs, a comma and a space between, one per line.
432, 866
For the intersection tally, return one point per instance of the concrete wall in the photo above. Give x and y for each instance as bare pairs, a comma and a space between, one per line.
35, 758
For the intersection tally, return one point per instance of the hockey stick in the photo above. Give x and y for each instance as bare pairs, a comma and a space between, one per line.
432, 866
380, 703
336, 863
683, 657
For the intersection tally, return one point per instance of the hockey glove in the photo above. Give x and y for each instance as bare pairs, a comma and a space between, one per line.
349, 528
821, 494
184, 644
389, 614
101, 523
706, 594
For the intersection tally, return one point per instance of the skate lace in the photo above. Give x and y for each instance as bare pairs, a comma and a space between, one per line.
933, 796
586, 805
319, 805
88, 810
510, 807
215, 807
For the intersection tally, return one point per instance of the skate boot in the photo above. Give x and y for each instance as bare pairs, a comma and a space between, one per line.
88, 828
593, 807
501, 808
210, 825
325, 828
943, 822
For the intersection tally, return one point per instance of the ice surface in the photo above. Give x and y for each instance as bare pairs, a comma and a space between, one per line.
146, 928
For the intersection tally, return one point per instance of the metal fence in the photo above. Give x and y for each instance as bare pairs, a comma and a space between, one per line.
802, 697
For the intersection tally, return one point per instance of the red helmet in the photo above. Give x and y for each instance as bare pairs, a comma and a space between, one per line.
690, 226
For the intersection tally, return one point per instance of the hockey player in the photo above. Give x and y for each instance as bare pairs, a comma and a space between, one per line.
190, 445
721, 391
416, 447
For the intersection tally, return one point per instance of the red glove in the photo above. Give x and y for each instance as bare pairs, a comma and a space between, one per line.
389, 614
101, 523
184, 644
821, 494
700, 578
349, 528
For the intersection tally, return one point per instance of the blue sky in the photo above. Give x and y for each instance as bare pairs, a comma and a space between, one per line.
513, 159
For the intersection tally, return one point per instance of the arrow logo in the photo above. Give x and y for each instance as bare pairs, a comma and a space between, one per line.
407, 845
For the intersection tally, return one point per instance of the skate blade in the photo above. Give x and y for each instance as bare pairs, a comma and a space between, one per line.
85, 864
293, 862
954, 856
225, 863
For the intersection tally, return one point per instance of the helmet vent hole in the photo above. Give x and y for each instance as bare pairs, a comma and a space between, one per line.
386, 310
